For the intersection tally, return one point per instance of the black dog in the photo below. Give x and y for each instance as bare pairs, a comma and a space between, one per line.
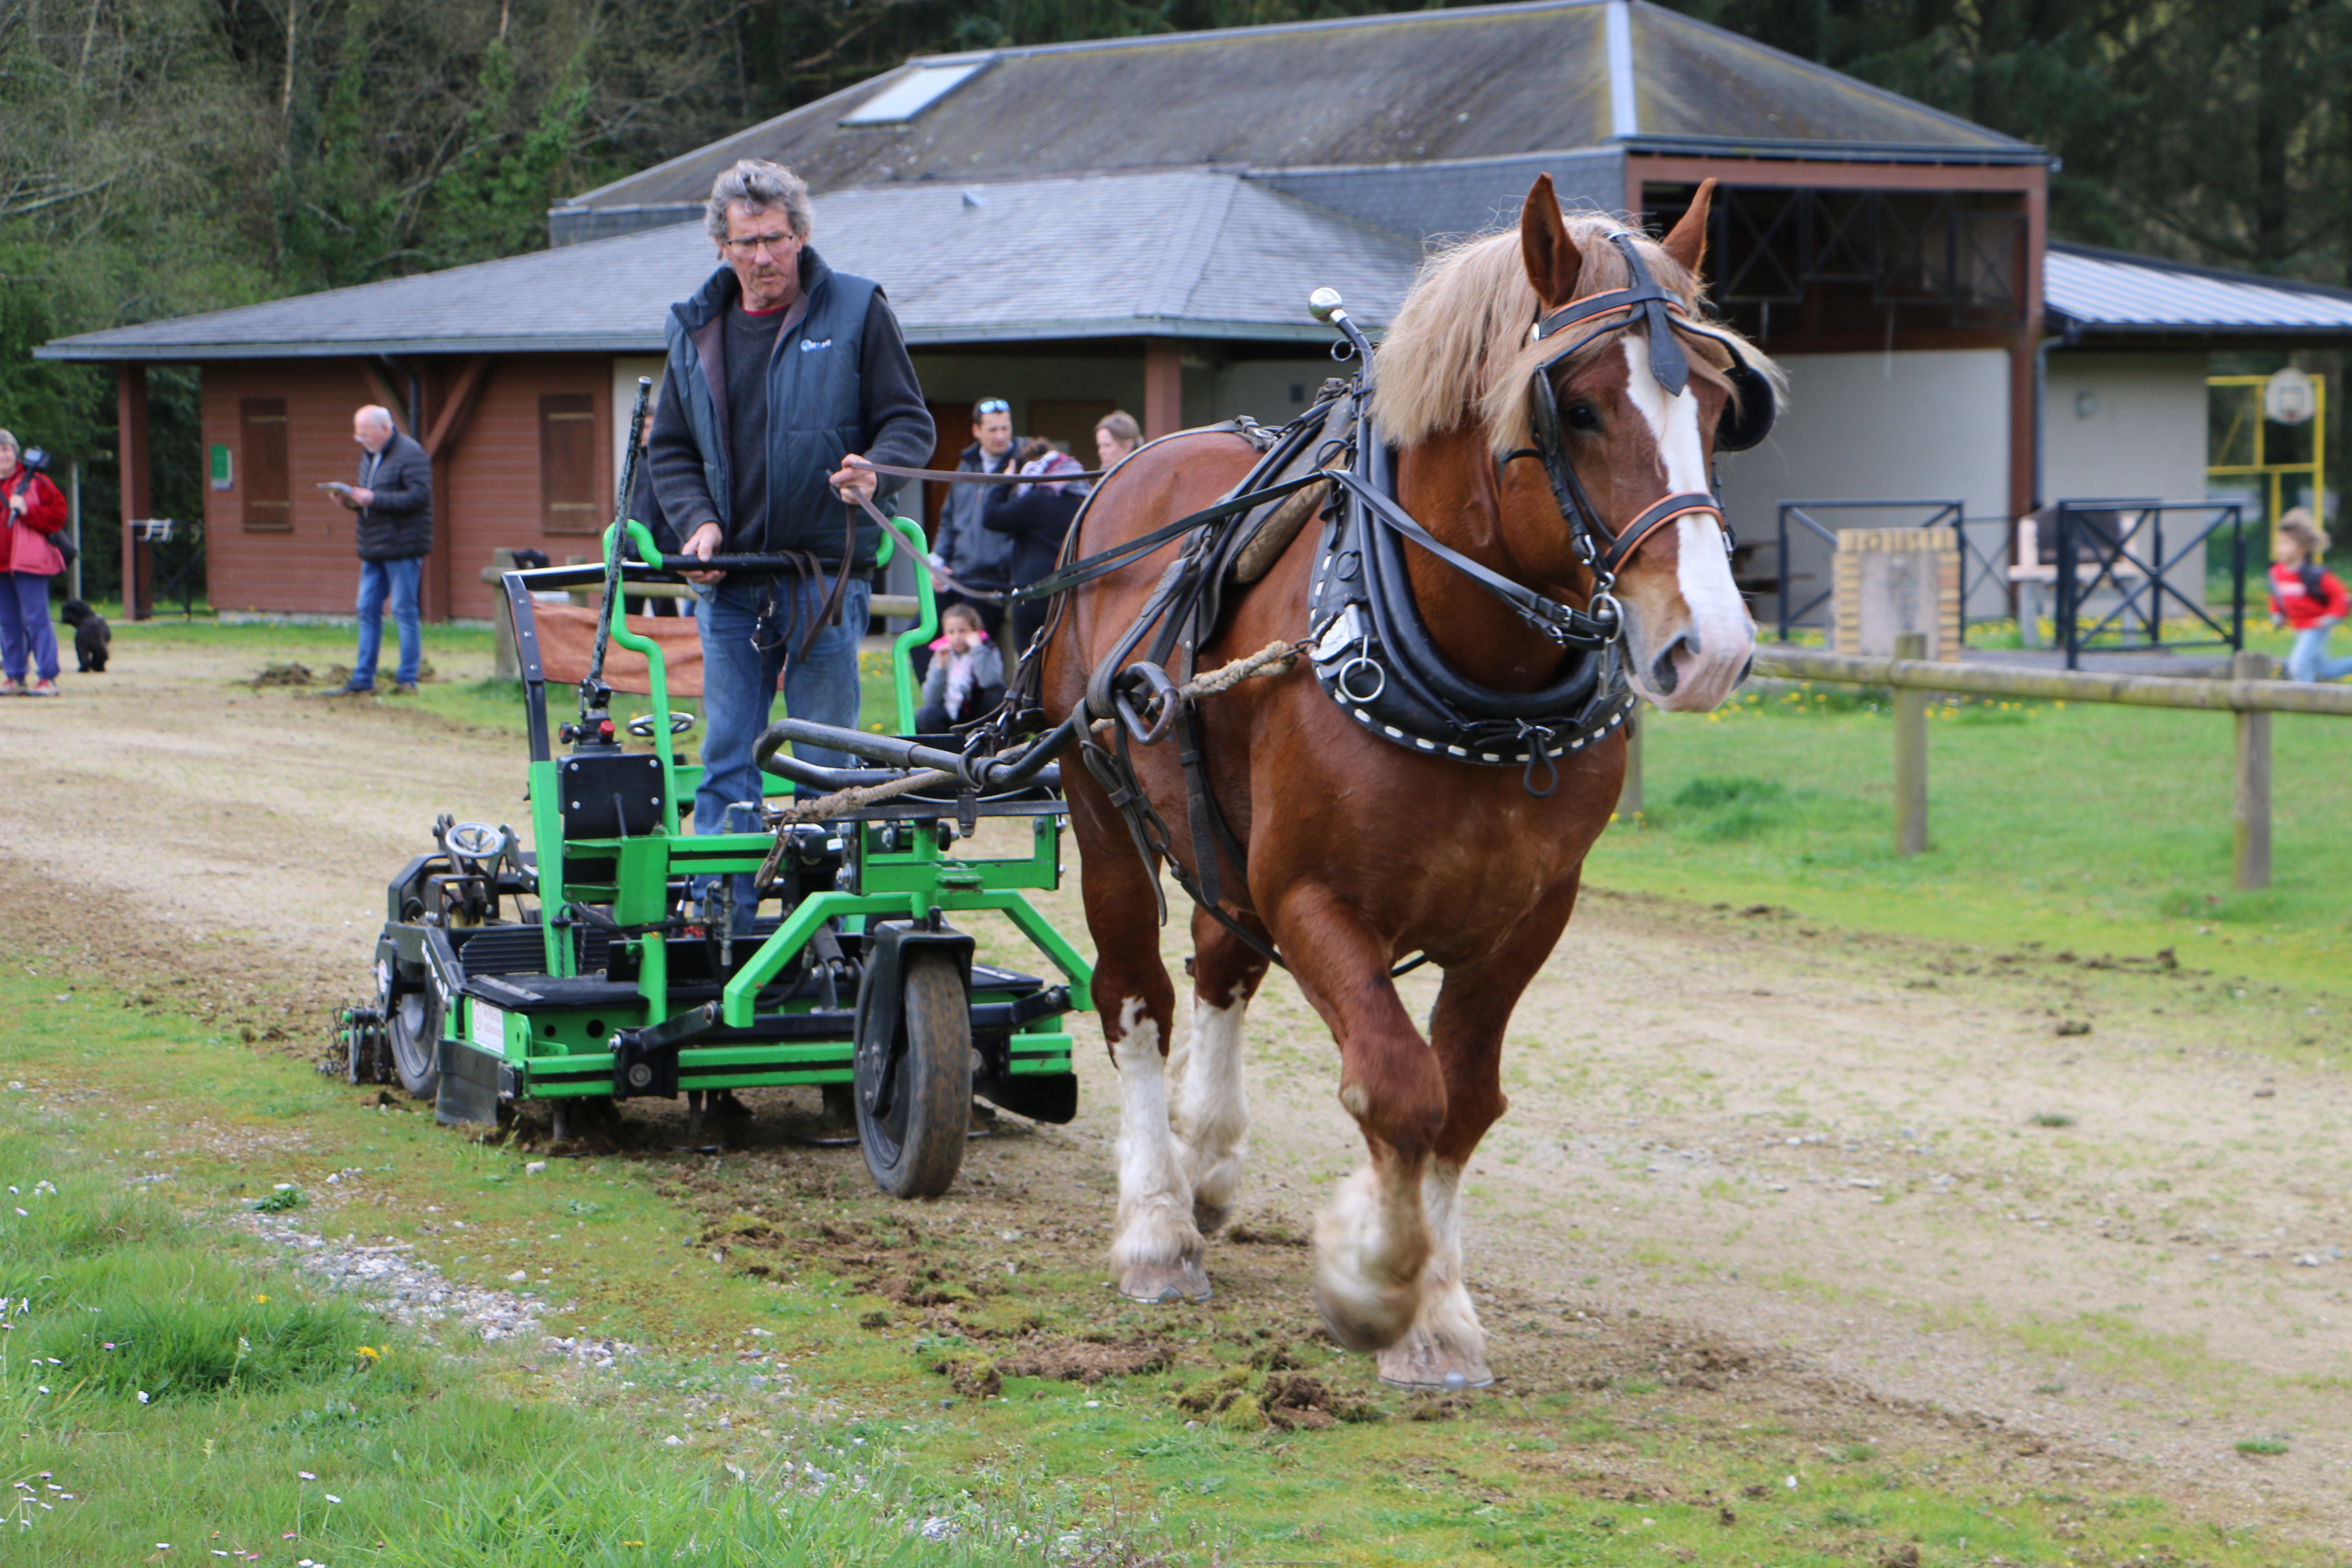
91, 634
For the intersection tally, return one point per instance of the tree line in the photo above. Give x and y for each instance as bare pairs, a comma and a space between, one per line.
159, 157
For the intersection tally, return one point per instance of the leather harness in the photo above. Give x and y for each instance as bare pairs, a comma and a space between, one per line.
1368, 644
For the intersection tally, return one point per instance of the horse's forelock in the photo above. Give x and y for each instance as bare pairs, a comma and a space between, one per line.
1459, 350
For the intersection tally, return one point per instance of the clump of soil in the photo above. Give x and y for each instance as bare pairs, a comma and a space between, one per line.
1290, 1402
1297, 1402
973, 1376
1084, 1360
1271, 1234
282, 675
930, 1288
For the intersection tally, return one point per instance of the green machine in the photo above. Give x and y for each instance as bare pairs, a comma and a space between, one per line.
617, 958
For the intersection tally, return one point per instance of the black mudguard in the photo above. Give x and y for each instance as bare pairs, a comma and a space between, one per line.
881, 991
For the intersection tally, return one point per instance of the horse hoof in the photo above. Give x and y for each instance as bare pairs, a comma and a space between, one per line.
1420, 1364
1210, 1218
1363, 1321
1165, 1284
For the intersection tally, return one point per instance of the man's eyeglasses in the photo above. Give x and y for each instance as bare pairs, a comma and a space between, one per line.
758, 242
991, 406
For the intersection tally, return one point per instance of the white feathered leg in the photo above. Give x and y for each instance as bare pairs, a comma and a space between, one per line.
1210, 1109
1445, 1347
1157, 1251
1370, 1246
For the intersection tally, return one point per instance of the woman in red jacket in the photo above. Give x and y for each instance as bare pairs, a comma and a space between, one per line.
2307, 596
33, 511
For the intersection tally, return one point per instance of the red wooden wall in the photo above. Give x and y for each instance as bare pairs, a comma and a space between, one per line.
486, 476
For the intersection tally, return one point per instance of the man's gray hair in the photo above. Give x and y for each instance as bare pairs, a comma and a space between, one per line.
378, 415
8, 439
758, 186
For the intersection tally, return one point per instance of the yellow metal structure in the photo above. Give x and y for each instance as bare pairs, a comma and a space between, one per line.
2242, 443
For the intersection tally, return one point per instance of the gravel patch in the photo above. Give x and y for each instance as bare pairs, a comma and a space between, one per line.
416, 1294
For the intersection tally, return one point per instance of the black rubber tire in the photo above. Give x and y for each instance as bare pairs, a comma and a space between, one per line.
914, 1148
413, 1028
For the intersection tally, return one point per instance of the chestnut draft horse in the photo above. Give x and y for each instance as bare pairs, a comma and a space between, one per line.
1361, 849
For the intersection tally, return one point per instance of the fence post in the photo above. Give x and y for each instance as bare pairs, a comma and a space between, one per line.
2251, 812
1910, 754
1628, 798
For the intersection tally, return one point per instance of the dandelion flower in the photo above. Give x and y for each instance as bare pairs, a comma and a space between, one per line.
264, 1300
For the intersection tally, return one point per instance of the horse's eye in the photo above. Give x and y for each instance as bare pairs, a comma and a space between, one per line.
1583, 417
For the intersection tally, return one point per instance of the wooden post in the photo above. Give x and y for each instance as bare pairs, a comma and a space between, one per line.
505, 664
138, 494
1164, 387
2251, 812
1910, 754
1628, 798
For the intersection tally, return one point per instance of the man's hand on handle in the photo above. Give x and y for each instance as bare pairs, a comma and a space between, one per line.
704, 546
856, 479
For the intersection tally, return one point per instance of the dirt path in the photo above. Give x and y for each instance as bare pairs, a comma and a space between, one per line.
1853, 1154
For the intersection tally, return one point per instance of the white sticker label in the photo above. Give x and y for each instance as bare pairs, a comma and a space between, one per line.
490, 1028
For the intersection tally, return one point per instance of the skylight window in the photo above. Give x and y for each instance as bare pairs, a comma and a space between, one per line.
911, 94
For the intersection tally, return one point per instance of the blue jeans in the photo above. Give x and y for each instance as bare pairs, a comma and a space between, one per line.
26, 638
744, 650
2308, 660
399, 581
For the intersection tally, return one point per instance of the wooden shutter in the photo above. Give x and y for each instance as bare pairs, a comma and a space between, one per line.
268, 493
567, 463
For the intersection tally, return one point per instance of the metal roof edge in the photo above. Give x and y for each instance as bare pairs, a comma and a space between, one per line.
2198, 269
1123, 327
1762, 149
653, 343
2081, 332
66, 350
1875, 91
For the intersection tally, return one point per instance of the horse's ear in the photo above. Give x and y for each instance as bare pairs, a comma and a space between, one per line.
1553, 261
1688, 243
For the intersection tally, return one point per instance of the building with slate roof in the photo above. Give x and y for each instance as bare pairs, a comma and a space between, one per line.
1137, 223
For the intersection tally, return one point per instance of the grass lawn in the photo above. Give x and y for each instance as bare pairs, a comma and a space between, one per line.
2078, 825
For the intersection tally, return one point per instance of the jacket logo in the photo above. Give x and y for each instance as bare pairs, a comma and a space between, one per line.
811, 346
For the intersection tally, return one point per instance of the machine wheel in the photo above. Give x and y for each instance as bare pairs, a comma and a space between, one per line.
914, 1142
414, 1023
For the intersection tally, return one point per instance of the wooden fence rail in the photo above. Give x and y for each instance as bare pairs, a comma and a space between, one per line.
2249, 694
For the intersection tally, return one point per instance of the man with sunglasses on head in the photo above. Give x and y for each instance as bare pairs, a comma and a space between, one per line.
787, 381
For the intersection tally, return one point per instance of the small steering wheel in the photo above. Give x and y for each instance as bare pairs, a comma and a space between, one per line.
680, 722
475, 840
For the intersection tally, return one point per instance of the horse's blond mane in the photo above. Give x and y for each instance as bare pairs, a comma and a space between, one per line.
1458, 350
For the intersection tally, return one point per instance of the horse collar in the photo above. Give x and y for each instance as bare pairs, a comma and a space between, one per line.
1372, 653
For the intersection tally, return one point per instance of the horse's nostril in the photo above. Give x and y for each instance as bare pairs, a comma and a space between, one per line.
1663, 674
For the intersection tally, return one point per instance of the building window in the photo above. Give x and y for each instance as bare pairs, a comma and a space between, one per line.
269, 495
567, 463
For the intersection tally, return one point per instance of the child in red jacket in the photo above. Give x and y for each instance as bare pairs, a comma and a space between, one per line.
31, 510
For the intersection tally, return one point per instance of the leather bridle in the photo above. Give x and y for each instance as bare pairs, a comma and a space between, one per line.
1642, 304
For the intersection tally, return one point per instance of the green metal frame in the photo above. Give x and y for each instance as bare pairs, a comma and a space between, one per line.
906, 874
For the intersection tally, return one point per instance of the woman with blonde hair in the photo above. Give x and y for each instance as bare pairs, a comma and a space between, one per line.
2307, 596
1115, 435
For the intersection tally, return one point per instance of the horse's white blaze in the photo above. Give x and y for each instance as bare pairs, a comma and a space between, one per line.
1717, 622
1155, 1202
1211, 1106
1369, 1248
1673, 421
